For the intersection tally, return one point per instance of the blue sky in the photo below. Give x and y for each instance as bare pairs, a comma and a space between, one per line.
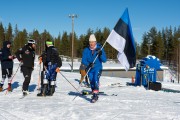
53, 14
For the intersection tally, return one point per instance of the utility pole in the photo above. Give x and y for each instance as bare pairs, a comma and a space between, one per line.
72, 16
149, 45
178, 58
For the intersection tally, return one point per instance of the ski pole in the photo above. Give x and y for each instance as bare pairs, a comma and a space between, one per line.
70, 83
14, 76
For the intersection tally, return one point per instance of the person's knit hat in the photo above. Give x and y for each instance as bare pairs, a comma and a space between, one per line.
92, 38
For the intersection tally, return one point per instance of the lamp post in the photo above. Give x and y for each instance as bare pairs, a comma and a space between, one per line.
178, 58
149, 44
72, 16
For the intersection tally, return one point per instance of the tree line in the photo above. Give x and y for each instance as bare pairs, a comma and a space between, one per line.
62, 42
163, 43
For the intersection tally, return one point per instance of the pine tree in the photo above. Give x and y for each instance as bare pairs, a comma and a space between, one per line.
144, 47
164, 39
65, 44
99, 37
108, 48
9, 35
45, 36
152, 35
36, 36
57, 43
20, 40
158, 46
86, 39
80, 46
2, 35
170, 45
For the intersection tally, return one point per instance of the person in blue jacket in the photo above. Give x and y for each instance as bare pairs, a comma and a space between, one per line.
89, 55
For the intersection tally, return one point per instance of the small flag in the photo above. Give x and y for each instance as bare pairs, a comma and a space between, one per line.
121, 38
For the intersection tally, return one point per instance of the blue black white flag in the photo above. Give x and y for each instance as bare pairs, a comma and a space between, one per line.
121, 38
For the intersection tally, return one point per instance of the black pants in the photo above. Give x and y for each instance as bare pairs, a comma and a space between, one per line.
27, 75
6, 73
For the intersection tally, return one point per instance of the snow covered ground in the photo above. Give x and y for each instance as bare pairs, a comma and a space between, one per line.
119, 102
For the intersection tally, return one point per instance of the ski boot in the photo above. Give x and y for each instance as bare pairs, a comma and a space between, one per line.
51, 91
1, 87
41, 93
9, 87
94, 98
25, 92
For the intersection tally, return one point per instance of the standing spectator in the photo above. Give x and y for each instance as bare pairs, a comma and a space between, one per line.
6, 64
26, 55
52, 66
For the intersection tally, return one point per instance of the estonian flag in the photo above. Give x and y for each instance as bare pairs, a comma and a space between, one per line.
121, 38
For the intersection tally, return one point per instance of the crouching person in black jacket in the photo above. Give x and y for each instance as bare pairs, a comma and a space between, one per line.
26, 56
52, 67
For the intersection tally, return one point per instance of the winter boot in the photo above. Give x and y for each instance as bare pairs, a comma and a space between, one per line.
51, 91
94, 98
1, 87
9, 87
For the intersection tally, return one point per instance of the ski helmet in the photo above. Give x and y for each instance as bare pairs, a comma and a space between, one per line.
30, 42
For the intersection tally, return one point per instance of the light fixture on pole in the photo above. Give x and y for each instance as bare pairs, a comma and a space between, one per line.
72, 16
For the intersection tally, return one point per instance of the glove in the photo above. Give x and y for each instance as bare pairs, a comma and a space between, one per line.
40, 60
99, 52
57, 69
83, 72
10, 57
91, 65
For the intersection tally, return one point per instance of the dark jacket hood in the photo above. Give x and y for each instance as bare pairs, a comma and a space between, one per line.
5, 43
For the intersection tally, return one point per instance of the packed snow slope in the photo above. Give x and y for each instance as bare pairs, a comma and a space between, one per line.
119, 102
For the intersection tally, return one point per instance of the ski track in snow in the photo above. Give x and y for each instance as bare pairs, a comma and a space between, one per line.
130, 103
